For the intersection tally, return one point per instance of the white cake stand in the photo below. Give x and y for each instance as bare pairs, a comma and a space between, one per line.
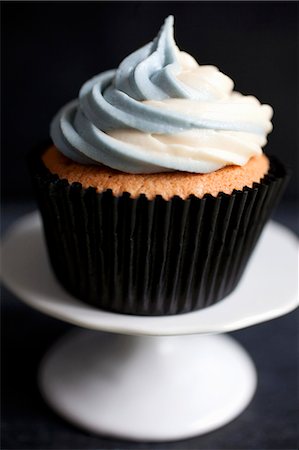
151, 378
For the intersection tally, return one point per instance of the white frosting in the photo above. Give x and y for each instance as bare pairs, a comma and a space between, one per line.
162, 111
202, 150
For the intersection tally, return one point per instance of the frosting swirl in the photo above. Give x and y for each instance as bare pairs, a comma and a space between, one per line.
161, 111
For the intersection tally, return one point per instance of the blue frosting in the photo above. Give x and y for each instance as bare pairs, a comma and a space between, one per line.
113, 100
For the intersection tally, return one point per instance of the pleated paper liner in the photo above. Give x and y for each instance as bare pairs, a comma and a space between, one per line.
151, 257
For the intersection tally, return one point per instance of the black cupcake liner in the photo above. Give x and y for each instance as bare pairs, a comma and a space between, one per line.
151, 257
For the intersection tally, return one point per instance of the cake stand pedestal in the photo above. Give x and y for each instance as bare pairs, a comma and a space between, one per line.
151, 378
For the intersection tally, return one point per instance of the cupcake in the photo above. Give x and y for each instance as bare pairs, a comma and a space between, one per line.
155, 188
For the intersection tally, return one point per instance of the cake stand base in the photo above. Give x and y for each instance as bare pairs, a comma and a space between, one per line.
147, 388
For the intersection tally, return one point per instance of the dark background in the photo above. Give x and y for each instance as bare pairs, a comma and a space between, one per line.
48, 51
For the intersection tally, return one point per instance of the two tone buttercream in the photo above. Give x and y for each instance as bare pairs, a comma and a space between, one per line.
162, 111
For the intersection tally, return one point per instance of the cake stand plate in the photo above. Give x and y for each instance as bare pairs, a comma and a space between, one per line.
158, 378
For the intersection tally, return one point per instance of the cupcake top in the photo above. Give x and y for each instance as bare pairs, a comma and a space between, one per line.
161, 111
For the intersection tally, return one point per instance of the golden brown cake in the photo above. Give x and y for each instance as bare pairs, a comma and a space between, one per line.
182, 184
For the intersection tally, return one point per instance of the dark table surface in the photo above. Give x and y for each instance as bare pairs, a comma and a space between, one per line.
269, 422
